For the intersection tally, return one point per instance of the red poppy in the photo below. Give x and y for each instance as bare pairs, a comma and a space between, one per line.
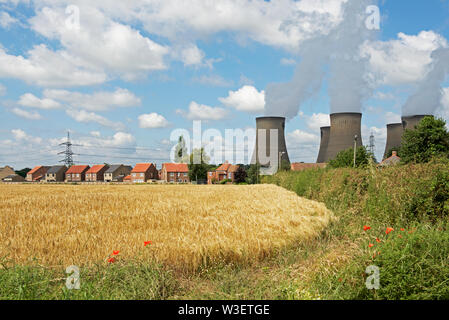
378, 240
366, 228
402, 229
115, 252
400, 236
147, 243
371, 245
389, 230
111, 260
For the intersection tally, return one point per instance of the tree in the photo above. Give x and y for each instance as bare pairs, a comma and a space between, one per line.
346, 158
23, 172
198, 171
253, 174
428, 140
181, 155
240, 175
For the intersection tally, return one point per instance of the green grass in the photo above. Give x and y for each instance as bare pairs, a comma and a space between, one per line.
414, 263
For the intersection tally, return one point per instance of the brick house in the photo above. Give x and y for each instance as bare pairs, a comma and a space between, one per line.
143, 172
6, 171
175, 173
224, 172
56, 174
117, 173
96, 173
76, 173
37, 174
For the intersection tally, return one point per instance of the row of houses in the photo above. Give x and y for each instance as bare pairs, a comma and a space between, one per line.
141, 173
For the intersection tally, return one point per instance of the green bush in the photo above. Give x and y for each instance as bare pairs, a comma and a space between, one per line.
345, 159
413, 265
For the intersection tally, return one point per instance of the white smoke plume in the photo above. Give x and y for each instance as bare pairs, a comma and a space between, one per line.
335, 55
427, 98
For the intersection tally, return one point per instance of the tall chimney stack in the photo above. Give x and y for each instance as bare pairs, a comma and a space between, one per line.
325, 134
344, 128
266, 127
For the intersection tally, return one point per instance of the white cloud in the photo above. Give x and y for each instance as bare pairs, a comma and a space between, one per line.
31, 101
6, 20
391, 117
152, 121
300, 137
20, 135
203, 112
213, 81
26, 114
98, 101
44, 67
87, 117
192, 56
288, 62
101, 41
246, 99
404, 60
317, 121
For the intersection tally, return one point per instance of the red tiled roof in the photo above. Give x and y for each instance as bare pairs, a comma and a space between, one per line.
141, 167
127, 178
224, 167
77, 169
96, 168
176, 167
34, 170
306, 166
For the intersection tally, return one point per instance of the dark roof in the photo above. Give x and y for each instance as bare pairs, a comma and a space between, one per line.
55, 169
113, 168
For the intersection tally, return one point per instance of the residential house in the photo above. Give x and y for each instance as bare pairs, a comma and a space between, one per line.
117, 173
76, 173
6, 171
56, 174
175, 173
307, 166
391, 161
224, 172
143, 172
127, 179
13, 178
37, 174
96, 173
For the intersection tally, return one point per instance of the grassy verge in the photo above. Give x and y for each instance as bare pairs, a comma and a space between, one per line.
413, 258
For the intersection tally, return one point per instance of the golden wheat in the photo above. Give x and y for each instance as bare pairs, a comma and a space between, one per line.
61, 225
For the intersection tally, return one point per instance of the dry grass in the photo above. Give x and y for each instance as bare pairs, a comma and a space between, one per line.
190, 226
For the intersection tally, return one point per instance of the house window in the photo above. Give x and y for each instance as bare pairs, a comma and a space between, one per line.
172, 174
77, 175
142, 175
134, 175
230, 176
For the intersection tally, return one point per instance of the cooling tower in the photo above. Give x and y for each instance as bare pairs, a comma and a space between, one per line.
411, 121
325, 134
268, 152
344, 127
394, 137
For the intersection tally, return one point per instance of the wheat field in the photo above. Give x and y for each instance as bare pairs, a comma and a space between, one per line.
189, 226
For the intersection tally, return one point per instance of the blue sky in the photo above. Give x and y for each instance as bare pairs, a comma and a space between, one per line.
129, 74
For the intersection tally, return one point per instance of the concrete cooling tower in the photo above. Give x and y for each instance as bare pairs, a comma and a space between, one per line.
410, 122
344, 127
394, 137
268, 154
325, 134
